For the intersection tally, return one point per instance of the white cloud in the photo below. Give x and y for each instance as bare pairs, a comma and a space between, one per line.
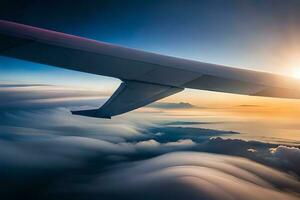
252, 150
148, 144
182, 142
154, 145
289, 157
187, 175
285, 151
45, 96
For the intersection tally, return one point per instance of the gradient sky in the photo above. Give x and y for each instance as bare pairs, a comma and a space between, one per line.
235, 147
259, 35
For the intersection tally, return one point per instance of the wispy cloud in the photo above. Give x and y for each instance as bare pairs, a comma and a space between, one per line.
165, 105
14, 97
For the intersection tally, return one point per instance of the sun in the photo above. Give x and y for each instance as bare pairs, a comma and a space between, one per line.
296, 73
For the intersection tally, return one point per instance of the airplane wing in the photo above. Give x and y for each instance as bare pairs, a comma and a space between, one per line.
146, 77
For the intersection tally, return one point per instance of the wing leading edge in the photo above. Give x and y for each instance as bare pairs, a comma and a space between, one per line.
147, 77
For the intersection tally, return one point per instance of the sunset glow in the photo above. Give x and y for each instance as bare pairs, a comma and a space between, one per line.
296, 73
213, 140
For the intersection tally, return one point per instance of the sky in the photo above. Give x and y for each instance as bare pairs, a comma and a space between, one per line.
192, 145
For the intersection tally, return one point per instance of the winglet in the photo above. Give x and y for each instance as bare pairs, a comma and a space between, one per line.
129, 96
90, 113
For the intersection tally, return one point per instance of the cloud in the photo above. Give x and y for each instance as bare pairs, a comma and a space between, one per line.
288, 157
284, 151
41, 147
174, 133
236, 146
85, 158
186, 142
163, 105
148, 144
66, 149
252, 150
274, 155
189, 175
153, 145
55, 151
17, 97
248, 105
60, 122
184, 123
3, 85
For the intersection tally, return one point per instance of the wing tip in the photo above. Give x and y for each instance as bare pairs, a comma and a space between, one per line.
91, 113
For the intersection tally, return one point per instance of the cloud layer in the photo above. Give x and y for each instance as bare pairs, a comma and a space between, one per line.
128, 158
190, 175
